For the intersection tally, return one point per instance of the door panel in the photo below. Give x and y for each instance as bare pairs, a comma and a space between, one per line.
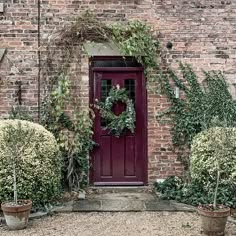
130, 156
120, 161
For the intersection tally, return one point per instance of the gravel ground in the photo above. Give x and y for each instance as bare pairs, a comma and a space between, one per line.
116, 224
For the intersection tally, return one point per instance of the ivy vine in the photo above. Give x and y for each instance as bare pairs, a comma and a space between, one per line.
136, 39
199, 105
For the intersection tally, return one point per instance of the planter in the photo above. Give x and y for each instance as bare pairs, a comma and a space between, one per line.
214, 221
233, 212
16, 216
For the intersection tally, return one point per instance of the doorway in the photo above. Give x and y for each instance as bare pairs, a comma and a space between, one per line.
119, 160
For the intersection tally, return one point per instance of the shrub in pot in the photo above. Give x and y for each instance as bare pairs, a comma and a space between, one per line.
213, 161
29, 169
232, 203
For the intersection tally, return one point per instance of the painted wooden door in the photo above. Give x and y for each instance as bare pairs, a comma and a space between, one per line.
120, 161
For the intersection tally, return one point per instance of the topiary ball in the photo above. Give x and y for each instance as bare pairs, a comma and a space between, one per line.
38, 167
211, 150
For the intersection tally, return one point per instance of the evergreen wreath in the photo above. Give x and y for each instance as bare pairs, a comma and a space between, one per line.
118, 123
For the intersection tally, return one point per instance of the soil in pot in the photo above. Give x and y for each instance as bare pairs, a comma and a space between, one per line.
214, 221
16, 215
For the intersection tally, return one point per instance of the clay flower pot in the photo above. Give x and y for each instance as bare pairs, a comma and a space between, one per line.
214, 221
16, 216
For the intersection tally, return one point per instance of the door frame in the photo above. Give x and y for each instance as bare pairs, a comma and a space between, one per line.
91, 101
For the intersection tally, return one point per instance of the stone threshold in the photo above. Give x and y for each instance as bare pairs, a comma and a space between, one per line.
110, 205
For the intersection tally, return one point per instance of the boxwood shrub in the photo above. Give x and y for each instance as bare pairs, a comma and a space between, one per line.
208, 147
38, 169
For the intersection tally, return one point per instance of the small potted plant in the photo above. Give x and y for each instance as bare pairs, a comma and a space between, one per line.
16, 141
213, 159
214, 216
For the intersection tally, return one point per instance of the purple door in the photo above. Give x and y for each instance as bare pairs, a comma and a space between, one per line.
120, 161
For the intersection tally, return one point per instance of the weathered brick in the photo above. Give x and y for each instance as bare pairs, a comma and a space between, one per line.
202, 33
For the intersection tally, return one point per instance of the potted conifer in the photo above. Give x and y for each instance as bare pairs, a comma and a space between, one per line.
16, 142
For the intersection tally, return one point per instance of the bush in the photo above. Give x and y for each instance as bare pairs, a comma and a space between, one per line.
169, 188
214, 149
38, 169
174, 188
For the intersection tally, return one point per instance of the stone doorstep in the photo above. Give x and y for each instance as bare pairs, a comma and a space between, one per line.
117, 189
114, 205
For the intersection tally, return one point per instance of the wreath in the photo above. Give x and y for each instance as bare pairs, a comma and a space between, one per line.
117, 124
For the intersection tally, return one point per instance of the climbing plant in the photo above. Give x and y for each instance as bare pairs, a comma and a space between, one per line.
133, 38
199, 103
65, 46
74, 135
136, 39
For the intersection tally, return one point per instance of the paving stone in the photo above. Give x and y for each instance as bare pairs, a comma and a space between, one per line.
87, 205
183, 207
159, 205
62, 209
38, 215
123, 196
122, 201
67, 207
136, 189
122, 205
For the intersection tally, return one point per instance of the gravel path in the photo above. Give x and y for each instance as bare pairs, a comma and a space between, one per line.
116, 224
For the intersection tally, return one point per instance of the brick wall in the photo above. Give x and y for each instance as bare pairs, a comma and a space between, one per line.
202, 32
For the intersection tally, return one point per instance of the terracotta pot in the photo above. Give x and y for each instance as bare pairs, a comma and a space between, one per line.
233, 212
214, 222
17, 216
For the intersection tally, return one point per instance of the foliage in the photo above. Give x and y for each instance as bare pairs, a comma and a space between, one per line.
53, 106
16, 142
194, 193
133, 38
169, 187
136, 39
212, 149
117, 124
197, 106
31, 152
74, 135
19, 113
213, 171
213, 158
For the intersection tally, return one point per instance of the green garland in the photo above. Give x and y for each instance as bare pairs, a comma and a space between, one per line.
126, 120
